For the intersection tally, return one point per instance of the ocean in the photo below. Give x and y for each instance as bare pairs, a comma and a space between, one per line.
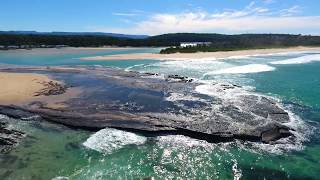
52, 151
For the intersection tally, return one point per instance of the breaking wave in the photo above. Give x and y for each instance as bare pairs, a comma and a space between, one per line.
299, 60
245, 69
188, 59
109, 140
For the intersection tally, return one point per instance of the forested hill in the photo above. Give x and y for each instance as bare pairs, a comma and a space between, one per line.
56, 33
236, 42
219, 41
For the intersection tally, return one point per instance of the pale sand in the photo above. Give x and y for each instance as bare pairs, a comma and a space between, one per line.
106, 48
199, 55
20, 89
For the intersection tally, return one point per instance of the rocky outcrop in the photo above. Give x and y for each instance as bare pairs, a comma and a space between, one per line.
51, 88
9, 138
275, 133
177, 78
132, 101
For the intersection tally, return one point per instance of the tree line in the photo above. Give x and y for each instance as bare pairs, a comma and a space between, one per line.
218, 41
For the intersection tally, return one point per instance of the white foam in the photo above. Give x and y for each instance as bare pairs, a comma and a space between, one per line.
236, 57
301, 135
3, 117
188, 59
285, 53
182, 142
182, 97
190, 63
60, 178
134, 66
237, 173
299, 60
218, 90
109, 140
245, 69
232, 95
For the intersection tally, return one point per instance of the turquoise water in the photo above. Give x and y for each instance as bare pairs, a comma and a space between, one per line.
52, 151
69, 56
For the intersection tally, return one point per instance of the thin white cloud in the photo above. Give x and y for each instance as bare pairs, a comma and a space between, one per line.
269, 1
294, 10
124, 14
251, 19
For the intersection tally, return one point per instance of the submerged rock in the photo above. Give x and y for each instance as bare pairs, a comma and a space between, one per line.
133, 102
275, 133
9, 138
177, 78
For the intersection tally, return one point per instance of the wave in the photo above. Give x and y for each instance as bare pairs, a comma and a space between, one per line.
134, 66
188, 59
292, 53
109, 140
299, 60
245, 69
236, 57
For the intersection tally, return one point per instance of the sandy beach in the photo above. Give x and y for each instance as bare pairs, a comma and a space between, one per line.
200, 55
22, 88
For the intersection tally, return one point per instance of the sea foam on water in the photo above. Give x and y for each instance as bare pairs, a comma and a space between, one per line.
108, 140
299, 60
245, 69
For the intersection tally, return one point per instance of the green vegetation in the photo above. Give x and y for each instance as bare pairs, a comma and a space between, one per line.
70, 40
219, 42
242, 42
195, 49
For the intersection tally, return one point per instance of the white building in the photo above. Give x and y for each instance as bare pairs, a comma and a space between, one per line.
194, 44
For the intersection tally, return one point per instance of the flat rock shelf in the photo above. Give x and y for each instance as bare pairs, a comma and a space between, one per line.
155, 105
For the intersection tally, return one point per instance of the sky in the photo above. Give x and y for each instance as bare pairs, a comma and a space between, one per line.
153, 17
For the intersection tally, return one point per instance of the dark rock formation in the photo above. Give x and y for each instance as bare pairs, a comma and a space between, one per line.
275, 133
151, 74
178, 78
9, 138
51, 88
132, 101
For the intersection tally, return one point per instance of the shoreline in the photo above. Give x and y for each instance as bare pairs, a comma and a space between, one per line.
20, 87
23, 88
102, 106
199, 55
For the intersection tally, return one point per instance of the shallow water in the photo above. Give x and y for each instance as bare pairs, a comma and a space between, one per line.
53, 151
69, 56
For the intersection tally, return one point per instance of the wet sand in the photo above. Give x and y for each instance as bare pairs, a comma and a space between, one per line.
199, 55
22, 88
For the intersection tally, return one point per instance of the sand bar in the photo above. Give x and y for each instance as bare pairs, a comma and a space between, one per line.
23, 88
199, 55
20, 87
